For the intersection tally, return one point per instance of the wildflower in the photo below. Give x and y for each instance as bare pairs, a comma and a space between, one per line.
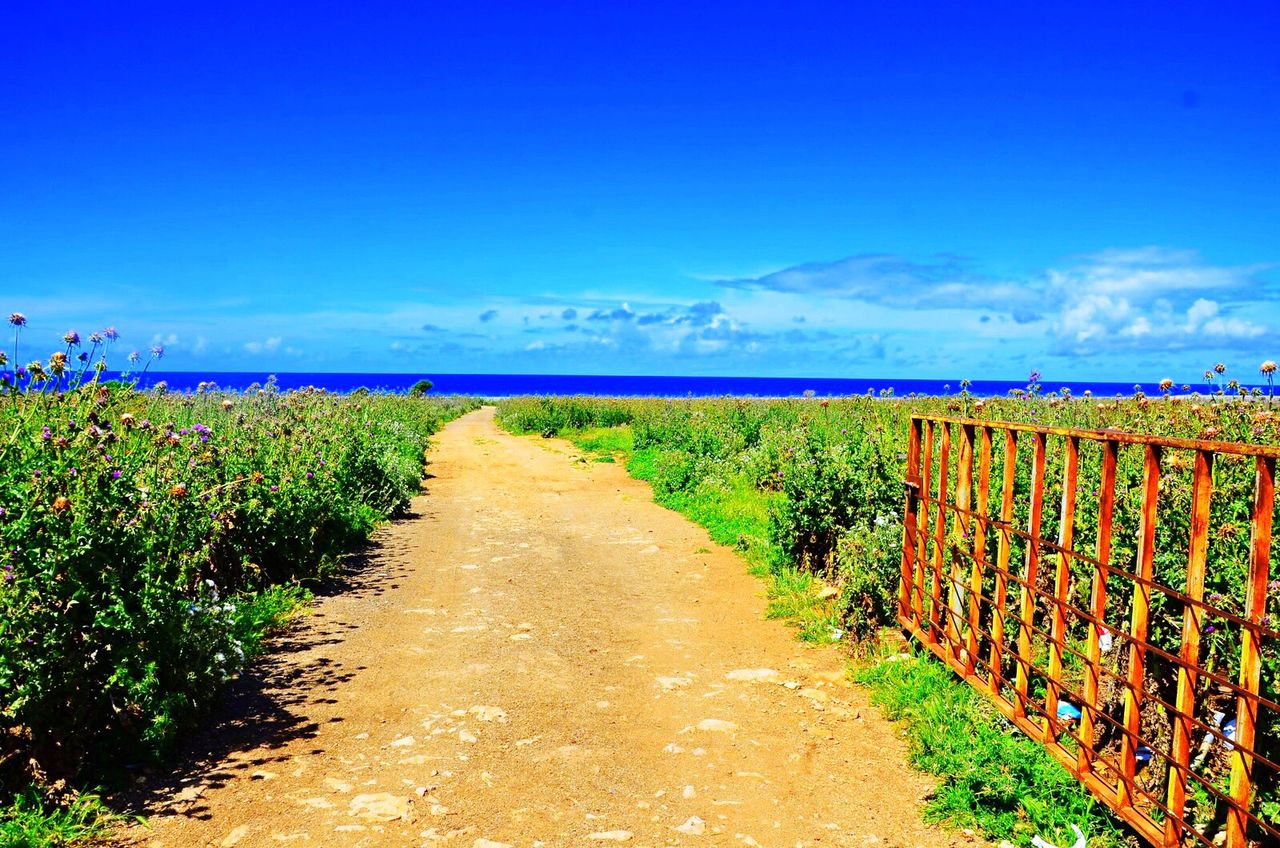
72, 338
178, 490
126, 419
310, 475
1220, 368
57, 363
4, 357
275, 488
161, 387
134, 356
111, 333
157, 351
61, 504
227, 404
1166, 384
1034, 377
17, 319
95, 338
8, 572
116, 474
45, 433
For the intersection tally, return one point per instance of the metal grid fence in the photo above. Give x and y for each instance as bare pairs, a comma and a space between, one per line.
1110, 592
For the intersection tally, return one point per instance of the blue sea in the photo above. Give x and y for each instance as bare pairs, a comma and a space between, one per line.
506, 385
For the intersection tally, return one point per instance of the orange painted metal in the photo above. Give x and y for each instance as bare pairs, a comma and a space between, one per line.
1133, 712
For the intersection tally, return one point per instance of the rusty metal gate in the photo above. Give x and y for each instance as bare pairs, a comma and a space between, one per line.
1112, 596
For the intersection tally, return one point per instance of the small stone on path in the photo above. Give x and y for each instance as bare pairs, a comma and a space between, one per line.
379, 806
754, 675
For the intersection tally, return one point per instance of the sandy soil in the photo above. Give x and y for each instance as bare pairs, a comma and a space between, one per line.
541, 656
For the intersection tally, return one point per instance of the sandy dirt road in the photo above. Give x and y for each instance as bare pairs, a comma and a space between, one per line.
541, 656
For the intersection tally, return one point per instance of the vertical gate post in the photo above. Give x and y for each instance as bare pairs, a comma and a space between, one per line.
1141, 610
909, 529
922, 527
960, 540
1183, 724
1061, 585
1026, 650
1264, 495
1098, 606
979, 550
1002, 561
936, 625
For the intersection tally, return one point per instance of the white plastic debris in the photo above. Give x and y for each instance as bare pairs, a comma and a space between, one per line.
1106, 641
1079, 843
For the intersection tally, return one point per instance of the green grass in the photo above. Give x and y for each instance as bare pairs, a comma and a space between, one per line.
990, 776
29, 822
604, 444
270, 610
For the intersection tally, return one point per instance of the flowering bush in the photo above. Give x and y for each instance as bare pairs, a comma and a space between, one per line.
132, 525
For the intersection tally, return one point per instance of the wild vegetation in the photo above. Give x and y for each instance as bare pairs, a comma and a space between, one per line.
149, 540
812, 488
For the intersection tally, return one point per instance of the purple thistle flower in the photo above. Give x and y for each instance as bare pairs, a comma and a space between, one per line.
1210, 629
46, 434
111, 333
310, 475
275, 488
157, 351
72, 338
115, 475
83, 356
95, 338
134, 356
17, 319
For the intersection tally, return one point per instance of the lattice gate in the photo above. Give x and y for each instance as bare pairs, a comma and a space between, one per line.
1112, 596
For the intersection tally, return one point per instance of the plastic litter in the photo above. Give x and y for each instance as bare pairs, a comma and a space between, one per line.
1079, 843
1142, 756
1068, 712
1106, 641
1229, 731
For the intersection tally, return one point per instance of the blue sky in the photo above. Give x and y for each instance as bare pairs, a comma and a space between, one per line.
853, 189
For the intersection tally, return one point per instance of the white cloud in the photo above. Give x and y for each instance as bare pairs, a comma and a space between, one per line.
1151, 299
269, 346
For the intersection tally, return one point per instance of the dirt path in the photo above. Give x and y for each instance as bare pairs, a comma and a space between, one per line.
542, 656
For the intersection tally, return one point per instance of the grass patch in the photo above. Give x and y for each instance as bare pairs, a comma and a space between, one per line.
30, 822
604, 444
991, 777
259, 614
